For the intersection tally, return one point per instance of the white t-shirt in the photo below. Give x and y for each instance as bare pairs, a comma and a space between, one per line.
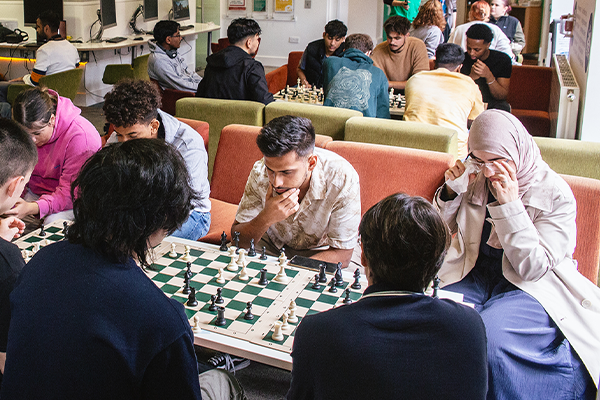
51, 58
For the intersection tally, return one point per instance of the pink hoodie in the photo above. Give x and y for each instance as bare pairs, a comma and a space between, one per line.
73, 141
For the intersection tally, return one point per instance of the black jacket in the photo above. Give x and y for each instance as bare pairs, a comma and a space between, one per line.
315, 56
234, 74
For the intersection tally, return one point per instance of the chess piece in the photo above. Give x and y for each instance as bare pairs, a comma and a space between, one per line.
36, 247
241, 261
188, 271
263, 278
213, 306
284, 318
251, 250
282, 257
173, 253
186, 256
243, 276
277, 334
292, 318
42, 231
220, 321
356, 284
196, 327
436, 287
339, 281
220, 279
192, 302
322, 276
347, 299
219, 299
236, 241
263, 254
65, 229
232, 266
316, 285
223, 242
332, 288
186, 285
281, 277
249, 316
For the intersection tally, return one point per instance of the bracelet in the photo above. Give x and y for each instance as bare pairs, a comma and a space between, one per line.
489, 83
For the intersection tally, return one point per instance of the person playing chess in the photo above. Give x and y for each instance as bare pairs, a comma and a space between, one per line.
396, 341
86, 321
303, 198
19, 156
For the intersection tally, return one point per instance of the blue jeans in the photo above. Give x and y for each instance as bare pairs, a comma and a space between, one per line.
195, 227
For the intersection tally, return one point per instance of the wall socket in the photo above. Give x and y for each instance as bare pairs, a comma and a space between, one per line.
294, 39
307, 3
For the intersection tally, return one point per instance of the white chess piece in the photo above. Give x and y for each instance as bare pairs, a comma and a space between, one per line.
243, 276
173, 253
36, 247
277, 334
285, 324
232, 266
292, 318
186, 256
281, 277
220, 278
196, 325
241, 261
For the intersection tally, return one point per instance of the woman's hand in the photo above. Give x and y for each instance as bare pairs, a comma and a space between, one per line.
506, 184
451, 174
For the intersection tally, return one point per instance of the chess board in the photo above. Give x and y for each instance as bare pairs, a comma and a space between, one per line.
30, 243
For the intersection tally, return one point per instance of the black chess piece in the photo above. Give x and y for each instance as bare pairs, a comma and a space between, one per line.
42, 231
251, 250
263, 278
263, 254
347, 299
356, 284
220, 321
436, 287
322, 276
192, 302
316, 285
65, 228
223, 242
186, 285
219, 299
332, 288
213, 306
249, 316
188, 271
339, 281
236, 242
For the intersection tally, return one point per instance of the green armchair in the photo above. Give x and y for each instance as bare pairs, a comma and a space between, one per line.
115, 72
64, 83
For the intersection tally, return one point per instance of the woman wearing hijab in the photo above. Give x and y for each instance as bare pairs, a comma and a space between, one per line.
511, 256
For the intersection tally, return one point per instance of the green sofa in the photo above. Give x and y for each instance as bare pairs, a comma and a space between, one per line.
571, 157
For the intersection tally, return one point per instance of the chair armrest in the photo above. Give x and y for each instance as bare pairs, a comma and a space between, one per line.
277, 79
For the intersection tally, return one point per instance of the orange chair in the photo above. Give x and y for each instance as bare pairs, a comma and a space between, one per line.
170, 96
222, 43
529, 97
286, 74
587, 250
385, 170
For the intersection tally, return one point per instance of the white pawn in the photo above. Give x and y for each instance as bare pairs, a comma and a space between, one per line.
281, 277
36, 247
220, 278
196, 325
292, 318
173, 253
241, 261
232, 266
277, 334
186, 256
285, 324
243, 276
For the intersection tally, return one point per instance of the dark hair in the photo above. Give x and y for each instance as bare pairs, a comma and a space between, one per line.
449, 56
17, 151
241, 28
50, 18
336, 29
430, 14
125, 193
164, 29
396, 24
480, 32
34, 107
404, 240
284, 134
359, 41
131, 102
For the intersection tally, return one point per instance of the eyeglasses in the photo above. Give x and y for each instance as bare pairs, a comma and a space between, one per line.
484, 164
177, 35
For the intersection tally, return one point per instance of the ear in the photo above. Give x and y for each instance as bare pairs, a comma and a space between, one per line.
248, 42
12, 185
324, 35
458, 68
312, 162
154, 125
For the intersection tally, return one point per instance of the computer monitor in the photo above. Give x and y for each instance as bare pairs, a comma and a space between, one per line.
150, 10
181, 10
108, 13
33, 8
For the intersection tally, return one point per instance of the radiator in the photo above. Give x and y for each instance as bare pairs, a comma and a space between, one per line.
564, 99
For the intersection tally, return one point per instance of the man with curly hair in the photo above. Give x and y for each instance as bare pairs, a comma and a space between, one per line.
132, 107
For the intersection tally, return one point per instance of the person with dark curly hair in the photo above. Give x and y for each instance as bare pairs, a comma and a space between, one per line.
396, 342
233, 73
108, 331
429, 26
132, 107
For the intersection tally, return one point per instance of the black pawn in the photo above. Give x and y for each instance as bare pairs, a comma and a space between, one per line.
188, 270
219, 299
347, 299
322, 276
186, 285
42, 231
249, 316
332, 288
65, 228
356, 284
236, 242
220, 321
213, 306
263, 278
251, 250
263, 254
316, 285
436, 287
339, 281
192, 302
223, 242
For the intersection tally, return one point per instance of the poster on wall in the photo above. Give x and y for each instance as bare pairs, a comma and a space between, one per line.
237, 4
284, 6
260, 5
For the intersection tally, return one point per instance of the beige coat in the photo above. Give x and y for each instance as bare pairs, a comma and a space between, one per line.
538, 236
